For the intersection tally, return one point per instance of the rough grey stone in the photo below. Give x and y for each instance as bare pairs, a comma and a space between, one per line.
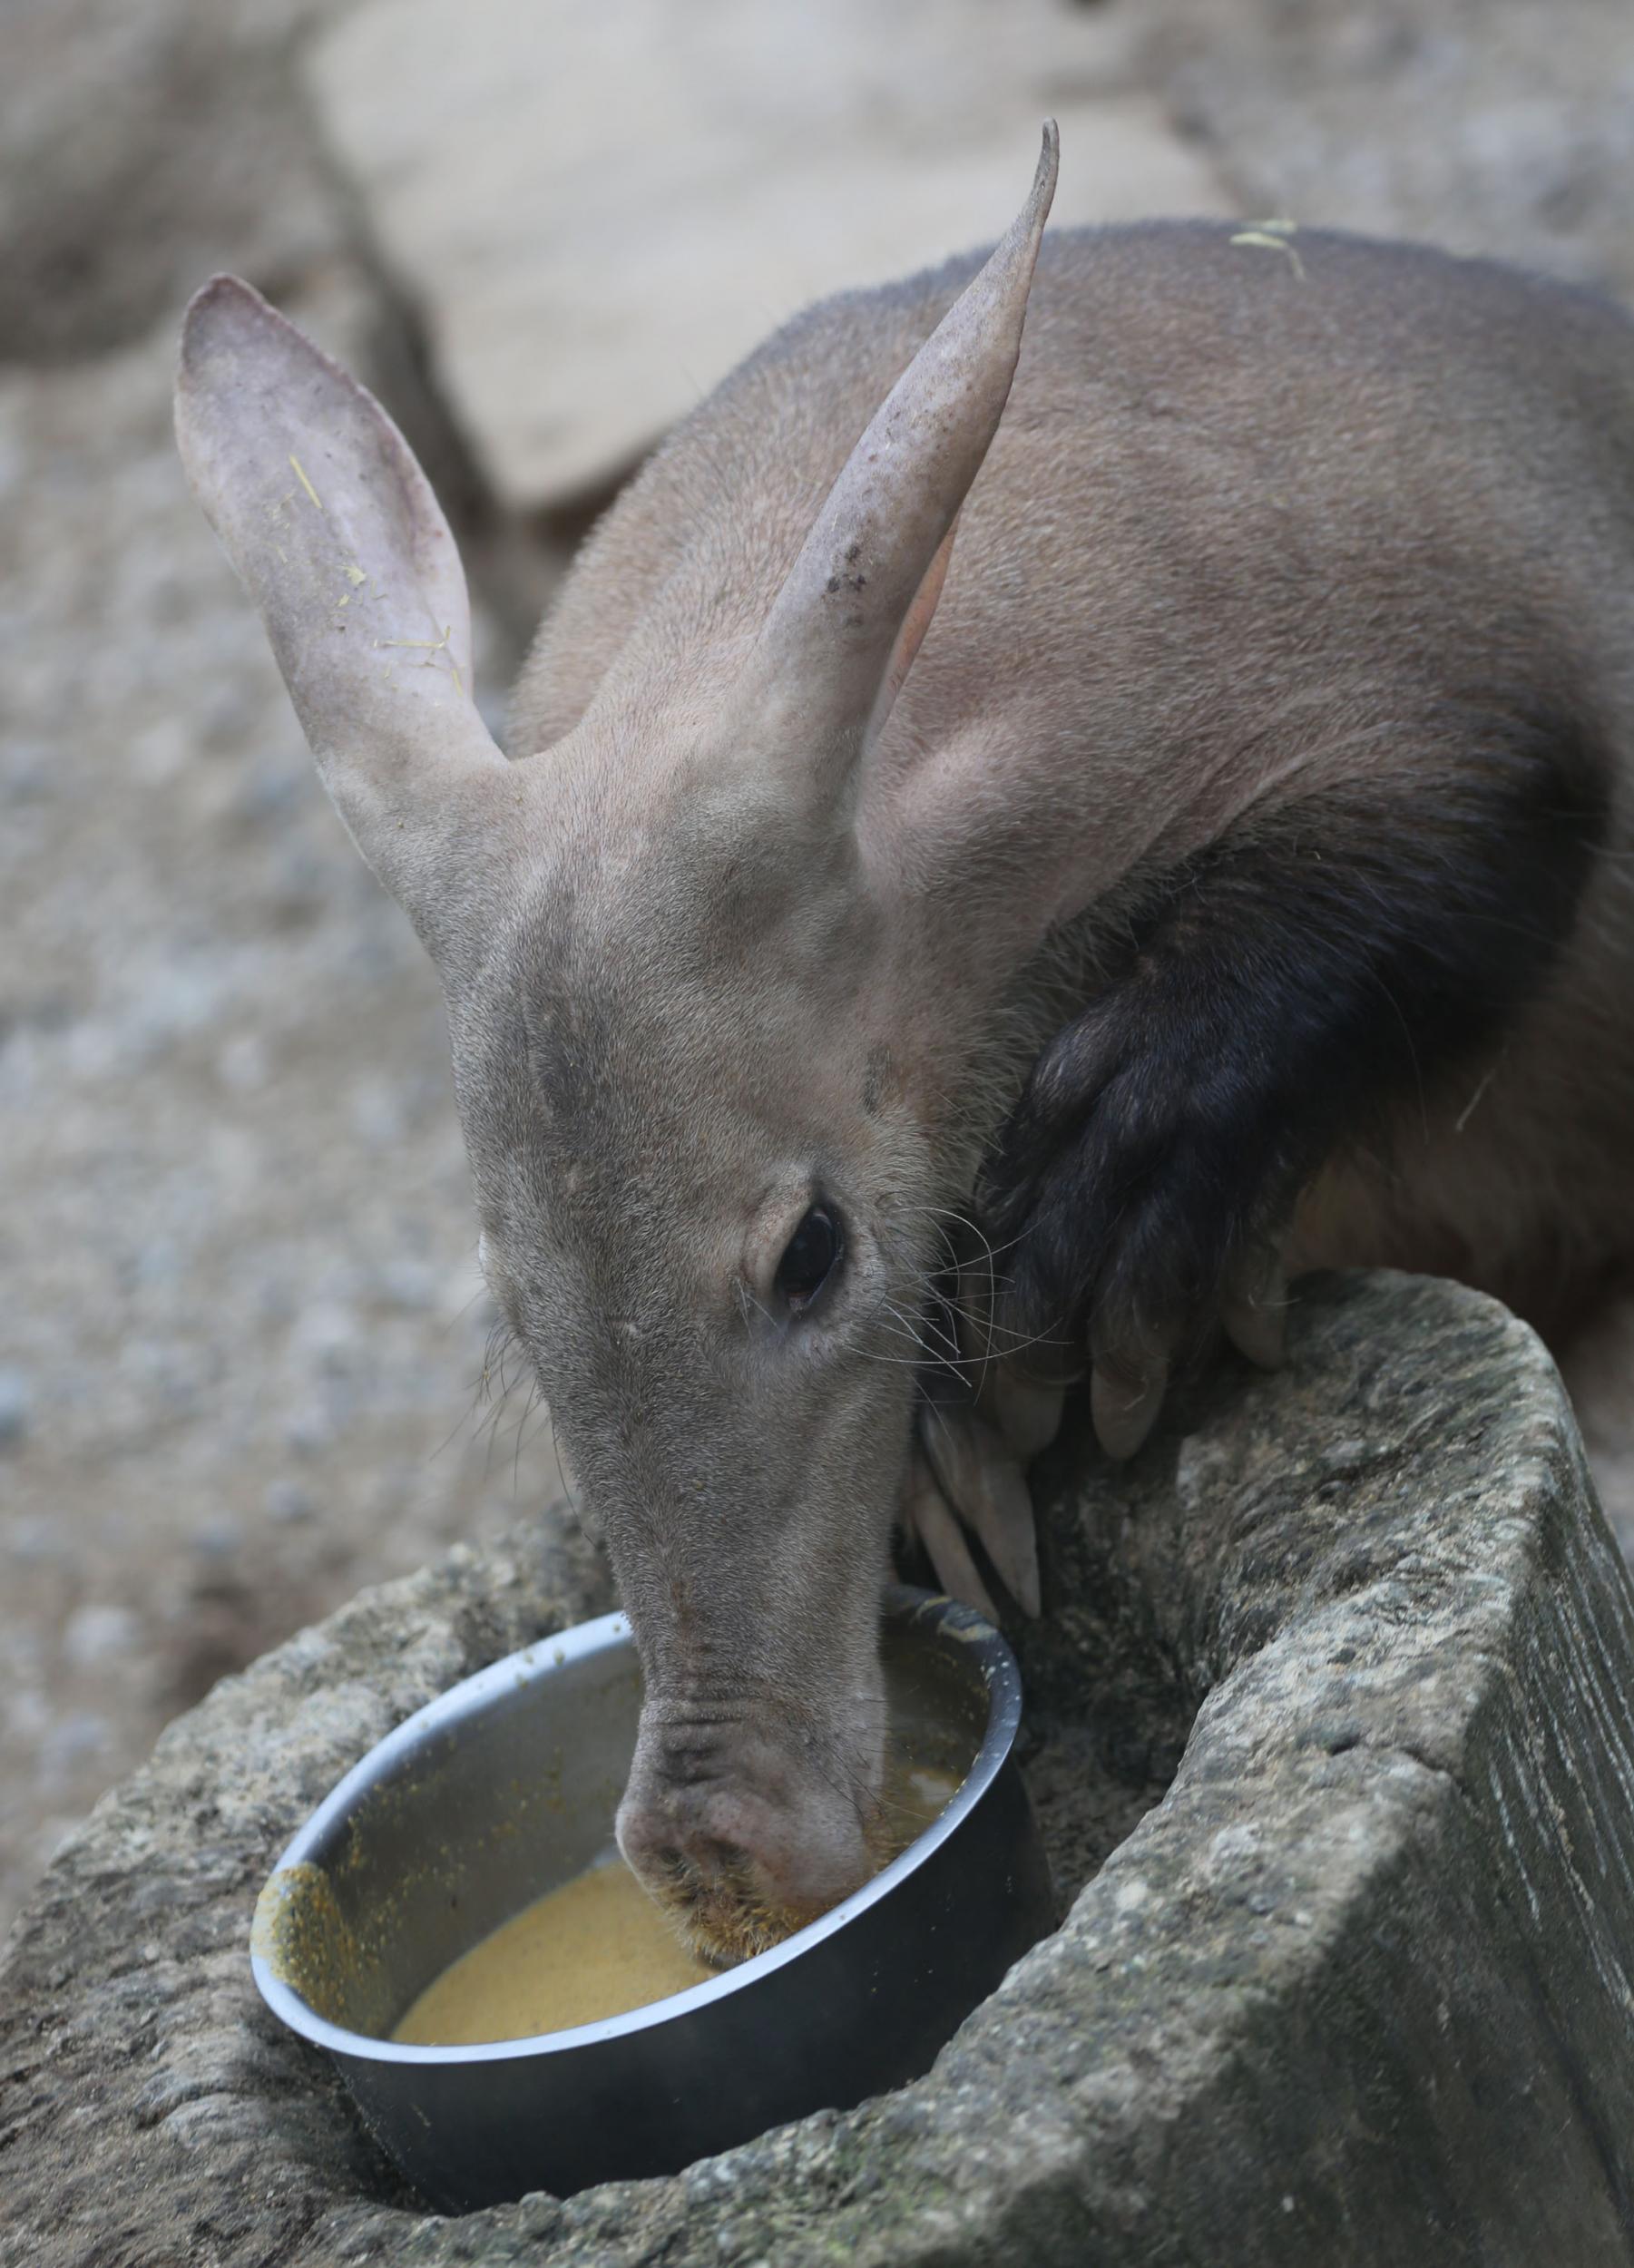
143, 143
596, 213
1490, 126
1357, 1989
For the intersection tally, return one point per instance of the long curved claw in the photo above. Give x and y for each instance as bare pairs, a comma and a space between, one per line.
927, 1515
1255, 1313
1025, 1411
1124, 1405
978, 1472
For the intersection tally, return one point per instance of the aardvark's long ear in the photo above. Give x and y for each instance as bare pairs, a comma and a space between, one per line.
334, 530
838, 644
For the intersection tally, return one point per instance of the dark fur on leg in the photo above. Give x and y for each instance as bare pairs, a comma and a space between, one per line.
1323, 960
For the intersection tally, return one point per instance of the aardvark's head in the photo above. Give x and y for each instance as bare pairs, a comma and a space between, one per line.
702, 968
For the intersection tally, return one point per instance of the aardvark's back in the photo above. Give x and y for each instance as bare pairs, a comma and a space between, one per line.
1240, 789
1259, 519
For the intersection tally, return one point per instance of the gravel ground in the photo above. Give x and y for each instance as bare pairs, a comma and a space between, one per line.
244, 1335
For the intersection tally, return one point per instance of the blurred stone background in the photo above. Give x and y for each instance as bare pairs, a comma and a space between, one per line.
242, 1336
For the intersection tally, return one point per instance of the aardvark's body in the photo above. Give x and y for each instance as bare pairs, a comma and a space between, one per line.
1238, 868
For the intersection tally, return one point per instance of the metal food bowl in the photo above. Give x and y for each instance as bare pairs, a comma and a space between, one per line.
504, 1789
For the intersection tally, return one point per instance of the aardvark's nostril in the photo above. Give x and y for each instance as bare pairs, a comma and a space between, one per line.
716, 1856
678, 1856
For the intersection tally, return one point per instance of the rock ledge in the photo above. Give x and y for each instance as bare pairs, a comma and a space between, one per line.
1357, 1989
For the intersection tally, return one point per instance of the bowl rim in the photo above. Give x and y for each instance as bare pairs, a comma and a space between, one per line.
949, 1617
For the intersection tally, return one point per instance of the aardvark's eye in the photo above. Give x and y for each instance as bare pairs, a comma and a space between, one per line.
810, 1257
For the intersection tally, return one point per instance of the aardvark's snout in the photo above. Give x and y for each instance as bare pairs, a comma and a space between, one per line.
741, 1841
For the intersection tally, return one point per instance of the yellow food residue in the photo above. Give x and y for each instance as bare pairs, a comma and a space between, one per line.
596, 1946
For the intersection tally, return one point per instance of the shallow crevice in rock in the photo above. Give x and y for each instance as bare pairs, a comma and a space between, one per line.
1109, 1704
